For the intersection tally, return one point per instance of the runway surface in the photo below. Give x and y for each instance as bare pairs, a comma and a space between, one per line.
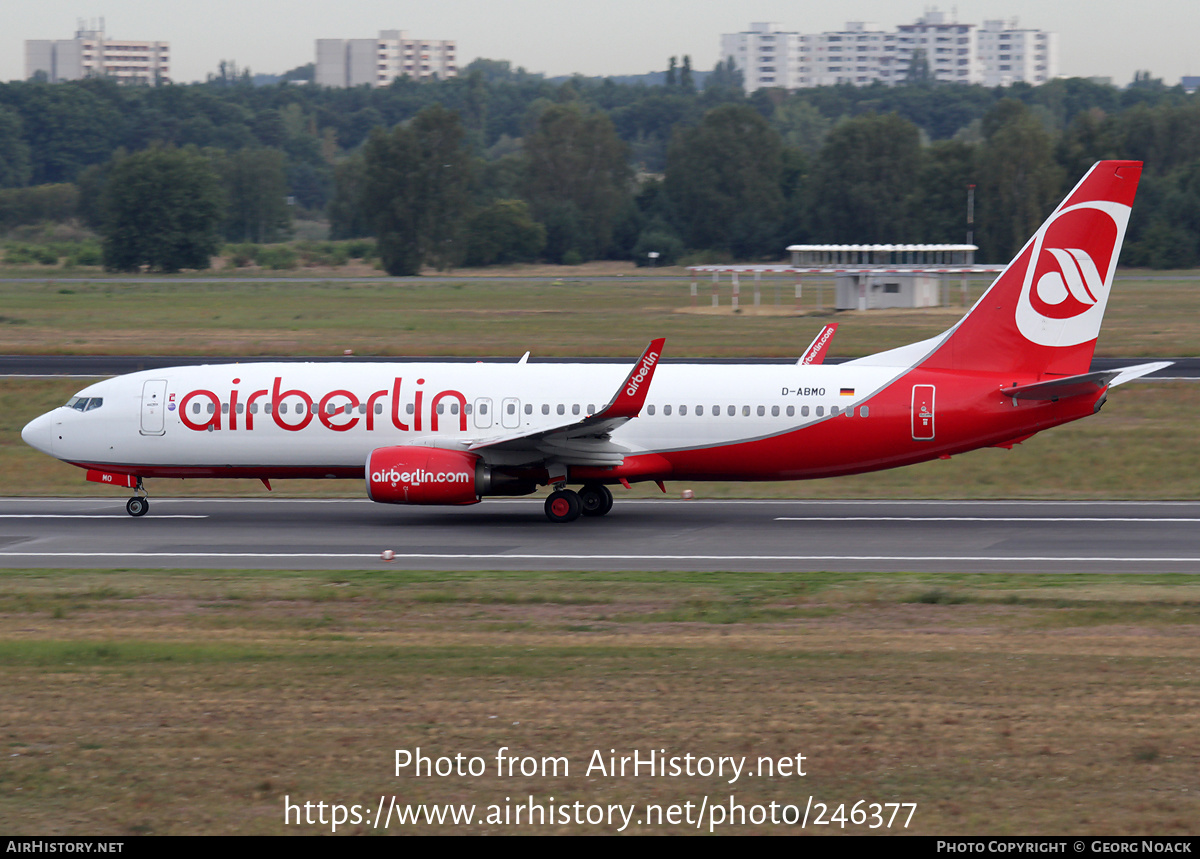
1048, 537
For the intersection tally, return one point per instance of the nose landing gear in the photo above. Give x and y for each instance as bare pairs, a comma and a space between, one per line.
138, 504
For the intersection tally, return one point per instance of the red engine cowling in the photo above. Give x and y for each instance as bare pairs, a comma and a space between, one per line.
422, 475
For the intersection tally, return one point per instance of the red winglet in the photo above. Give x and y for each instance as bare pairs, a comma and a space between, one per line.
815, 353
632, 394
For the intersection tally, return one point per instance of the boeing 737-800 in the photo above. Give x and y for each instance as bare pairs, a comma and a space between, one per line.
444, 433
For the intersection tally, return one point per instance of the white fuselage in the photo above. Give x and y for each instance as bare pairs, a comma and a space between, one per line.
260, 415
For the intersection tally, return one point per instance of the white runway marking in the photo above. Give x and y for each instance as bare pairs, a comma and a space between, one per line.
1048, 519
96, 516
556, 557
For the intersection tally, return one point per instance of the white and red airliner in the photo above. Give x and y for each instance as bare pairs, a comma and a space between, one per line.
437, 433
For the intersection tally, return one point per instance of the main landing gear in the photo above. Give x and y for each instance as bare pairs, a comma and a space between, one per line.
566, 505
138, 504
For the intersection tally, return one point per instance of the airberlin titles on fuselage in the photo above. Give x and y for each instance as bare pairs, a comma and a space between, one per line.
339, 420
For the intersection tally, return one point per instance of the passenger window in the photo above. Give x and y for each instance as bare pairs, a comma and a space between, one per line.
864, 412
683, 410
699, 411
716, 411
195, 408
834, 411
545, 408
774, 411
362, 408
409, 408
528, 409
512, 409
330, 408
575, 409
254, 408
483, 408
267, 409
282, 408
791, 411
240, 408
212, 408
467, 410
804, 411
745, 411
591, 408
666, 410
649, 410
441, 408
820, 411
732, 411
454, 408
562, 410
762, 411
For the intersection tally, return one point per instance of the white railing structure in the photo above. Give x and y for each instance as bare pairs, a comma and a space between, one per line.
864, 261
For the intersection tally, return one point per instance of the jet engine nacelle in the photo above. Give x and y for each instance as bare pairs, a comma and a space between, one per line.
425, 475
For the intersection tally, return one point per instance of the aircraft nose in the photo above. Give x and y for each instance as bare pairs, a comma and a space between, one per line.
39, 434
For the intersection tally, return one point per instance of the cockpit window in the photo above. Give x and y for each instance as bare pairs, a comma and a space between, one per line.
85, 404
94, 403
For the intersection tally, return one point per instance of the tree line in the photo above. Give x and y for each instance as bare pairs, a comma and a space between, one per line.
499, 165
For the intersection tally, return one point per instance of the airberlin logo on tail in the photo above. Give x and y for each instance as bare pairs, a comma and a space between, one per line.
635, 381
1070, 269
1072, 289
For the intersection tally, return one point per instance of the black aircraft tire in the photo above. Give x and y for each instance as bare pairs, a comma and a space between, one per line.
563, 506
596, 499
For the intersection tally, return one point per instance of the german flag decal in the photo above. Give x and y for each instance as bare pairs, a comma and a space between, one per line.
847, 392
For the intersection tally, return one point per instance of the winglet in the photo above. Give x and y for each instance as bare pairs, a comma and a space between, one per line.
815, 353
632, 394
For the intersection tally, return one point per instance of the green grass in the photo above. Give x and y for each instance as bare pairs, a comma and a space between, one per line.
476, 317
1000, 704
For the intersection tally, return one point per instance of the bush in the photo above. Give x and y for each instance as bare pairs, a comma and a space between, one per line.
31, 255
277, 257
87, 253
668, 245
241, 255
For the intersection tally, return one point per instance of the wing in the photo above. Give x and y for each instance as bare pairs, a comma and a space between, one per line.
586, 441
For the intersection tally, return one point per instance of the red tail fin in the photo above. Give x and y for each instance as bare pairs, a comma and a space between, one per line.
1042, 315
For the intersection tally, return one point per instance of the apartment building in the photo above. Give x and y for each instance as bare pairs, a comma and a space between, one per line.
91, 53
1009, 54
998, 53
378, 62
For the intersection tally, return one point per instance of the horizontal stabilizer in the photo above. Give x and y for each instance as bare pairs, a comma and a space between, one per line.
1087, 383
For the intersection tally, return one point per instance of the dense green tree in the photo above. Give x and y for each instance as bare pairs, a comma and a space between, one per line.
347, 218
1019, 182
801, 125
67, 127
938, 206
687, 83
503, 232
864, 181
414, 191
577, 179
723, 180
256, 191
163, 209
14, 151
